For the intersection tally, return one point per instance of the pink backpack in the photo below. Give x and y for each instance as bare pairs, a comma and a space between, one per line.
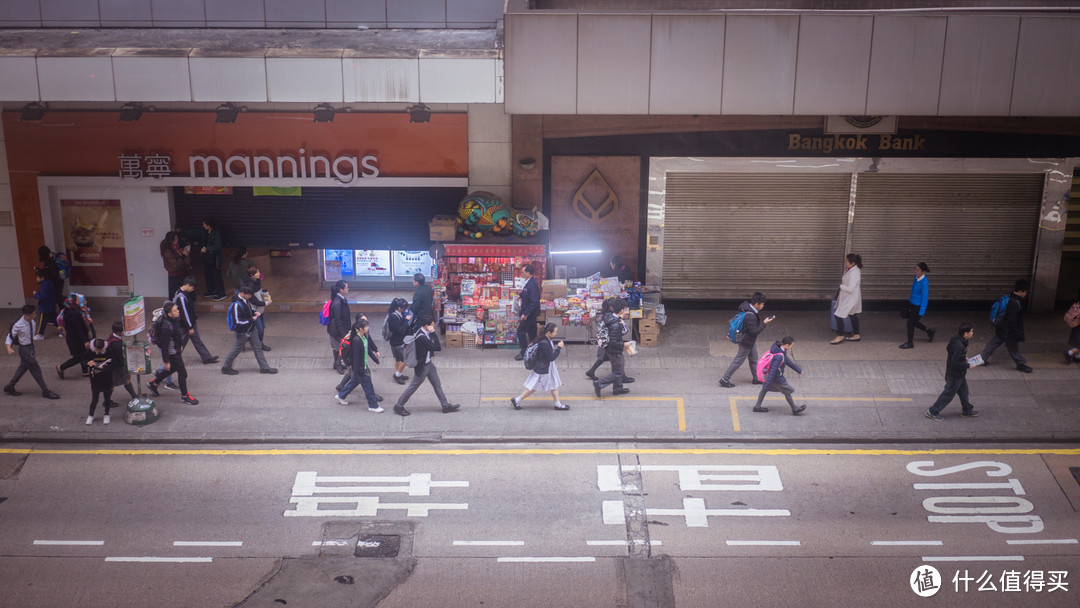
1072, 317
764, 362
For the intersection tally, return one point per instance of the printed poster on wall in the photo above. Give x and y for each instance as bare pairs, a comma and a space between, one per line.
94, 239
372, 262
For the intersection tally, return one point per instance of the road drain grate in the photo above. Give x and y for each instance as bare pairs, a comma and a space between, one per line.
378, 545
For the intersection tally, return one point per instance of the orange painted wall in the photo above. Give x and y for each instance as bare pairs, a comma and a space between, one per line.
89, 143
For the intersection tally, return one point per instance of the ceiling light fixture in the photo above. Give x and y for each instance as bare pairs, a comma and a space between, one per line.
130, 112
419, 113
227, 112
33, 112
324, 112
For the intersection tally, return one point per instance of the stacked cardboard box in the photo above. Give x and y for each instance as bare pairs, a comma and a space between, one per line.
648, 328
455, 339
442, 228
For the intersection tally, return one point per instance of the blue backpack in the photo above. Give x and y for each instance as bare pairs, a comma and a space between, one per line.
230, 316
997, 311
734, 330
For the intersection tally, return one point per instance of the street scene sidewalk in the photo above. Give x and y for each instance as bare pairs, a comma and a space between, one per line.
867, 391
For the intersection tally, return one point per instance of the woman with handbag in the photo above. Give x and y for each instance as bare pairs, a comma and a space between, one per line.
915, 307
849, 299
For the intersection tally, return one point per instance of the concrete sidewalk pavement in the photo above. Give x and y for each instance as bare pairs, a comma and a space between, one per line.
869, 391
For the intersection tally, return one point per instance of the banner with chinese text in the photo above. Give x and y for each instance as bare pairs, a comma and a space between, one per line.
94, 239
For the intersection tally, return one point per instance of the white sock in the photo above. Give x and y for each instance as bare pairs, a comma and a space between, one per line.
397, 374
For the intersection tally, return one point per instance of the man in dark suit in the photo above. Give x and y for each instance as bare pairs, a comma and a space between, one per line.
529, 308
423, 300
426, 344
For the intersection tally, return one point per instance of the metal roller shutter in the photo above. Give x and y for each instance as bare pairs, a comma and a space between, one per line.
327, 218
976, 232
728, 235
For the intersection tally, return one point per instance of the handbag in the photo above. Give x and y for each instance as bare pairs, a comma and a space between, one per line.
907, 310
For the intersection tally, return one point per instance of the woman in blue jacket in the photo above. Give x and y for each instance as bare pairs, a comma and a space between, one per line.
915, 307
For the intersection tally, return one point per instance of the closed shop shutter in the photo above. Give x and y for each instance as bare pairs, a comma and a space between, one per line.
728, 235
323, 218
976, 232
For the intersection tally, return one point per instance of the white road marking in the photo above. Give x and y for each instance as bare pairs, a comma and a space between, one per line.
751, 543
906, 543
155, 560
1049, 541
489, 543
622, 543
973, 558
329, 543
74, 543
208, 543
547, 559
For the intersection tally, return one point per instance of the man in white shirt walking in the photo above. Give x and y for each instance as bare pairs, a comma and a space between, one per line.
21, 336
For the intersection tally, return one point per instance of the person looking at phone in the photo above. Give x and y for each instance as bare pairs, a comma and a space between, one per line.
753, 325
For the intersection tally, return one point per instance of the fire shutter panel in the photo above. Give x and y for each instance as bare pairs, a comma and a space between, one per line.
327, 218
727, 235
976, 232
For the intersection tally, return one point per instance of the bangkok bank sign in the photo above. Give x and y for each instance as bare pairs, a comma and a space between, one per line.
343, 168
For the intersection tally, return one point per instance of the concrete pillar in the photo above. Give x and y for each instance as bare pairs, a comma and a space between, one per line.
489, 149
527, 162
1052, 220
11, 280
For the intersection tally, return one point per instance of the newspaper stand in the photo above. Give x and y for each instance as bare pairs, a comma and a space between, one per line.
140, 410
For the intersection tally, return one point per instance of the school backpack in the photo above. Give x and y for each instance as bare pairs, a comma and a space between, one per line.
345, 348
1072, 316
63, 268
155, 317
602, 338
324, 316
409, 344
230, 316
762, 371
734, 328
386, 328
531, 355
997, 311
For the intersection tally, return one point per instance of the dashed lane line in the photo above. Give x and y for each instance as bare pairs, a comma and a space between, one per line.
545, 559
546, 451
906, 543
763, 543
71, 543
162, 560
208, 543
1047, 541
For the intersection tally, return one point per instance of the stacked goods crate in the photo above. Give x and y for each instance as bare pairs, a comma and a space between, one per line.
648, 328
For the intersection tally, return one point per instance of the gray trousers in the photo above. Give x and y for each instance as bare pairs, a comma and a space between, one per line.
780, 385
421, 373
617, 371
27, 363
740, 356
252, 338
196, 341
1010, 345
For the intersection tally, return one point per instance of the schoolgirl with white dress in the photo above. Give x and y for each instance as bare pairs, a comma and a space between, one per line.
545, 374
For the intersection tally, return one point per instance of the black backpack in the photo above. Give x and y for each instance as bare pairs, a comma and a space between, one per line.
531, 355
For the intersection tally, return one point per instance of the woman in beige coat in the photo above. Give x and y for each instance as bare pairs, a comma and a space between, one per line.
849, 300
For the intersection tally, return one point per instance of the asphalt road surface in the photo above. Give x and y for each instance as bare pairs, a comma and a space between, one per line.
582, 525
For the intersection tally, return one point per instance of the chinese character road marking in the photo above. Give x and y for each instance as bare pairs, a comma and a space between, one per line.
309, 483
419, 484
696, 478
693, 511
366, 506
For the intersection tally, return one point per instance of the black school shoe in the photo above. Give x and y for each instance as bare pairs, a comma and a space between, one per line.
401, 411
153, 388
10, 390
452, 407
